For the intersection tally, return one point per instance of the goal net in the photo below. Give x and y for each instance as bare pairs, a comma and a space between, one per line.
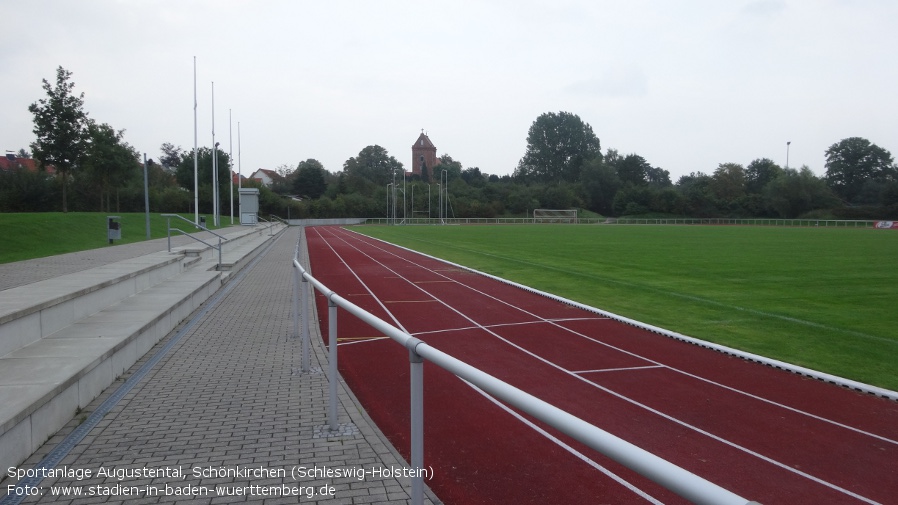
554, 215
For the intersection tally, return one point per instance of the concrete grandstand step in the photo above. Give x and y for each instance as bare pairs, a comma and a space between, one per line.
231, 237
33, 311
43, 384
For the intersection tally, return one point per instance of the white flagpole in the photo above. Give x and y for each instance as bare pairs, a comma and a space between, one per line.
214, 164
230, 171
196, 177
239, 171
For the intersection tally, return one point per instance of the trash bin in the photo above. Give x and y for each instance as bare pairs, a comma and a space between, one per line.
113, 228
203, 221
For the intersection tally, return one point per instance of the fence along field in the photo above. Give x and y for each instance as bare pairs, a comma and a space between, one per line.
822, 298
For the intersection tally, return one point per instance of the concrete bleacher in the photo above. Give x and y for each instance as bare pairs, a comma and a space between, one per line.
64, 340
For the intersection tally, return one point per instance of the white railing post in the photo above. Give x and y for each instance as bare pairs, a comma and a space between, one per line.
416, 377
304, 295
332, 375
295, 333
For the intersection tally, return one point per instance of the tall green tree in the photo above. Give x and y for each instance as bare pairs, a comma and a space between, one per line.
374, 164
759, 173
60, 125
632, 169
557, 147
728, 182
600, 184
310, 179
795, 192
184, 175
109, 161
855, 162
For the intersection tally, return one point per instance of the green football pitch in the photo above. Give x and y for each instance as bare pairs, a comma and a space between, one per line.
822, 298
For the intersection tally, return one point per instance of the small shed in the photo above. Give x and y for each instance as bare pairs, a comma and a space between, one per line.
249, 206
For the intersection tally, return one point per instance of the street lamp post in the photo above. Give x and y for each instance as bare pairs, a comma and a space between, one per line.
787, 153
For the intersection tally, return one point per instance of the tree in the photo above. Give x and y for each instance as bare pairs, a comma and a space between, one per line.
632, 169
557, 147
60, 124
184, 174
109, 161
453, 168
728, 182
853, 162
795, 192
600, 184
759, 173
309, 181
374, 164
171, 157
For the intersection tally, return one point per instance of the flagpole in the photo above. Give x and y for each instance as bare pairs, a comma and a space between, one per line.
196, 177
230, 171
239, 171
214, 164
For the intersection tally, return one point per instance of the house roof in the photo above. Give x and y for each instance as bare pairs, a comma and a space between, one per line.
274, 176
9, 162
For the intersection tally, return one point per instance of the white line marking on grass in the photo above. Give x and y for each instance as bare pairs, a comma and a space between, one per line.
634, 402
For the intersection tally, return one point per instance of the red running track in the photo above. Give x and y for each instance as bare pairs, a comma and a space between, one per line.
762, 433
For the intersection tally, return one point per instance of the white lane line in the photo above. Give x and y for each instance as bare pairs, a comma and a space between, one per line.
617, 369
619, 395
500, 325
361, 341
396, 321
566, 447
561, 444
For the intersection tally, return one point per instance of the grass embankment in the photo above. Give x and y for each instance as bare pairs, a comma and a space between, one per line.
822, 298
36, 235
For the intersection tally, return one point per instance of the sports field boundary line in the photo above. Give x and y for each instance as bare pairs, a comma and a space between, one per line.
782, 365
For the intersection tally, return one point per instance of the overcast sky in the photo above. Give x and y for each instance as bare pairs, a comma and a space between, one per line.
686, 84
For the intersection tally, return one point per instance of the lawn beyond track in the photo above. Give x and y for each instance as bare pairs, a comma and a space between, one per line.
823, 298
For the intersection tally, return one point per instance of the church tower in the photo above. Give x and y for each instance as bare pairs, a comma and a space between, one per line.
424, 153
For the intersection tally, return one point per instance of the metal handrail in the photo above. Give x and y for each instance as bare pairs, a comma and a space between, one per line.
169, 230
260, 218
661, 471
182, 218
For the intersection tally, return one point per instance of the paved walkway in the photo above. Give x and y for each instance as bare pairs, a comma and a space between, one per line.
229, 402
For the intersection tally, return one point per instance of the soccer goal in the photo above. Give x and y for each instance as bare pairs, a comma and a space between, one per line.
554, 215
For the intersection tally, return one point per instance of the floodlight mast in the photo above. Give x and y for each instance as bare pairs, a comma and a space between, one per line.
789, 143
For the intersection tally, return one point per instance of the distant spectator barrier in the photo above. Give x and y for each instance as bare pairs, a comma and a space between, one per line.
804, 223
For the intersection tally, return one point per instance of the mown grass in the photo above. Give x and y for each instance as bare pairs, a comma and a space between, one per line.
823, 298
37, 235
